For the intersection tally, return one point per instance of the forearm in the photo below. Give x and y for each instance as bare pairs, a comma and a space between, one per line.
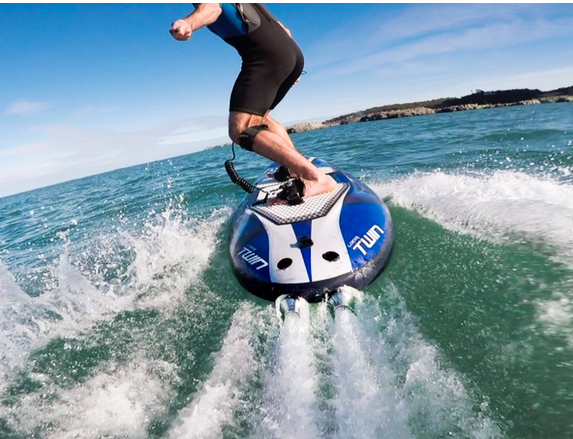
204, 15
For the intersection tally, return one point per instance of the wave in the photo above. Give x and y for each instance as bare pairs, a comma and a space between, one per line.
503, 206
96, 280
506, 208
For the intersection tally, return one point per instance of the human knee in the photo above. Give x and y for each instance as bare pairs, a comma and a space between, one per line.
246, 139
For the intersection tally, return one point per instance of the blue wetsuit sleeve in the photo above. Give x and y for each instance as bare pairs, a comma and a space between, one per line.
229, 24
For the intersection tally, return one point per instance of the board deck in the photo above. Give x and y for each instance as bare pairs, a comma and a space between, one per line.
308, 250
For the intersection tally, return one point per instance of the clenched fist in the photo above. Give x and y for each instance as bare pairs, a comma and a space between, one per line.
181, 30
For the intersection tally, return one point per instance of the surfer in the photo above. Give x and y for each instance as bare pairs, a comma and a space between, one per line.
271, 64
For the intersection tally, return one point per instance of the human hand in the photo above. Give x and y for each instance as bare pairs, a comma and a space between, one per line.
181, 30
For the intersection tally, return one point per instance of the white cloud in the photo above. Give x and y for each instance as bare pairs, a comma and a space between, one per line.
426, 31
26, 107
425, 20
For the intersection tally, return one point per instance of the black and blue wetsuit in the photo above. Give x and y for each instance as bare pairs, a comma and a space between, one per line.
272, 61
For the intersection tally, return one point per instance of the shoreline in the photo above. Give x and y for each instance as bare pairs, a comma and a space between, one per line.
476, 101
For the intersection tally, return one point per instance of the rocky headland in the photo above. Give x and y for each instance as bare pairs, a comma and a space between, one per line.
475, 101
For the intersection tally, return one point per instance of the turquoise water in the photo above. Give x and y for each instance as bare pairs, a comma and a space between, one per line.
120, 317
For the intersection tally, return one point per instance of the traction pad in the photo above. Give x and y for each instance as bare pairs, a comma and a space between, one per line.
313, 207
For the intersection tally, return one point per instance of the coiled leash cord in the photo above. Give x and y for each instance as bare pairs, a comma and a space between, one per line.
234, 175
292, 190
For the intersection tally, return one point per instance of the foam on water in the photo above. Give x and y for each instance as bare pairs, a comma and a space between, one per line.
215, 404
556, 314
494, 206
253, 354
120, 401
169, 255
413, 375
387, 381
290, 408
502, 207
367, 404
22, 321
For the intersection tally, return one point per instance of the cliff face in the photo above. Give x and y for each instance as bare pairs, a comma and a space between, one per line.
479, 99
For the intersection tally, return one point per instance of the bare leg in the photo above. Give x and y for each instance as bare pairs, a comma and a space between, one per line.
273, 145
277, 128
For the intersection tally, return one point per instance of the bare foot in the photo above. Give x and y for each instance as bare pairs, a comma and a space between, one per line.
324, 184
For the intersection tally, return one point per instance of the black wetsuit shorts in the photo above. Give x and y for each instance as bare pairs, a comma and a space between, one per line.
271, 60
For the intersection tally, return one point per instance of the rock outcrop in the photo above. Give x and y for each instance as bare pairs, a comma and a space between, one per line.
393, 114
475, 101
553, 99
305, 126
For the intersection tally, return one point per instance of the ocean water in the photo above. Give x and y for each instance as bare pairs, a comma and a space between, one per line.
120, 317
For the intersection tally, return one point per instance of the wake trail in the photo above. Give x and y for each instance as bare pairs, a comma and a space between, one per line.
215, 404
289, 404
431, 397
367, 404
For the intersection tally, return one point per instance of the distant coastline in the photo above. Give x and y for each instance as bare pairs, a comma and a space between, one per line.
478, 100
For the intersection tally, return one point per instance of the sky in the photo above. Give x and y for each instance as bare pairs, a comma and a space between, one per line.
89, 88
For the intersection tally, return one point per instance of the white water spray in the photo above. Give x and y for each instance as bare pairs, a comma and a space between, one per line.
367, 403
290, 406
214, 405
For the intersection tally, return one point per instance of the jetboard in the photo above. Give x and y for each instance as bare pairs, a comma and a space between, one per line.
308, 250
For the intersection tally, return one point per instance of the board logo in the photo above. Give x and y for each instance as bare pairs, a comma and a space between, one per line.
368, 240
251, 258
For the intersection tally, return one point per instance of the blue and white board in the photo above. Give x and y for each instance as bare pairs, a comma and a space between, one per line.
309, 250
